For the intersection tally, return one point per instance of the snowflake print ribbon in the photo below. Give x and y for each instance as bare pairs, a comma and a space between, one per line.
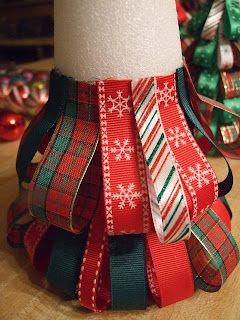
127, 196
124, 178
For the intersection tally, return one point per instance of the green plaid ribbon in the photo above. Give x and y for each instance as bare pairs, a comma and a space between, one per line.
213, 252
55, 194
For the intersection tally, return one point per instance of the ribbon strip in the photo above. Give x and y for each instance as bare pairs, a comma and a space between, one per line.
230, 84
199, 179
225, 57
39, 240
124, 178
94, 278
65, 262
42, 123
169, 271
231, 20
212, 23
54, 190
170, 211
213, 252
127, 271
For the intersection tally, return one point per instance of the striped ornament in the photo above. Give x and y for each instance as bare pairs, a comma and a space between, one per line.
168, 204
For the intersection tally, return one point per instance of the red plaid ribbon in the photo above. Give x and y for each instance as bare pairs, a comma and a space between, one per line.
213, 252
230, 84
54, 191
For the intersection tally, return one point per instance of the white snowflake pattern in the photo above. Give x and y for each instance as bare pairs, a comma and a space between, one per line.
122, 150
166, 94
177, 137
127, 196
199, 175
119, 104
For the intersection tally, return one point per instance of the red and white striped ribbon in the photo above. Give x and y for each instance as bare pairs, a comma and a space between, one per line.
168, 204
212, 23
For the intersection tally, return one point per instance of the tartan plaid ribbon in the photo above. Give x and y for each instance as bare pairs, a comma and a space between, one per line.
213, 252
54, 193
230, 84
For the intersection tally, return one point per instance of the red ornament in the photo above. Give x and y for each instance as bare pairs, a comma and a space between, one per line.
12, 126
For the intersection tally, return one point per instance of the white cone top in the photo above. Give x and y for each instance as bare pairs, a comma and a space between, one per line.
99, 39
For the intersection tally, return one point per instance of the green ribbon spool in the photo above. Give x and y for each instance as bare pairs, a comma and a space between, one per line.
233, 104
205, 53
208, 83
232, 20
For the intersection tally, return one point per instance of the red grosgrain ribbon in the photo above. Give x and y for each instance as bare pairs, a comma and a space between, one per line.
195, 171
94, 278
168, 204
54, 191
124, 177
213, 252
38, 241
169, 271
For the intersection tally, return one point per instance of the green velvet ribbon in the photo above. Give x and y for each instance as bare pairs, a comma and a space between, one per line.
232, 20
197, 22
127, 271
208, 83
66, 260
205, 53
233, 104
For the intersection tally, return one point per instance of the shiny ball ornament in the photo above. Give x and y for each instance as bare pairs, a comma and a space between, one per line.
42, 76
12, 126
18, 94
18, 80
27, 75
38, 94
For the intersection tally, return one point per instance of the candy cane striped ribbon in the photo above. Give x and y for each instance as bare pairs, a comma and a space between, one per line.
124, 178
168, 203
213, 19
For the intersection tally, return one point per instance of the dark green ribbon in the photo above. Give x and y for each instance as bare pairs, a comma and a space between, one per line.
127, 270
197, 22
66, 260
226, 185
42, 124
208, 83
226, 117
205, 53
232, 20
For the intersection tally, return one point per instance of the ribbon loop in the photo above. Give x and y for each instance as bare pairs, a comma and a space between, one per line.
124, 176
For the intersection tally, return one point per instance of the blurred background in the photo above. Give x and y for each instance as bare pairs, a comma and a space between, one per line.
26, 30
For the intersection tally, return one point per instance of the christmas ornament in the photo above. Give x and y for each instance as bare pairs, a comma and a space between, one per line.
12, 126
